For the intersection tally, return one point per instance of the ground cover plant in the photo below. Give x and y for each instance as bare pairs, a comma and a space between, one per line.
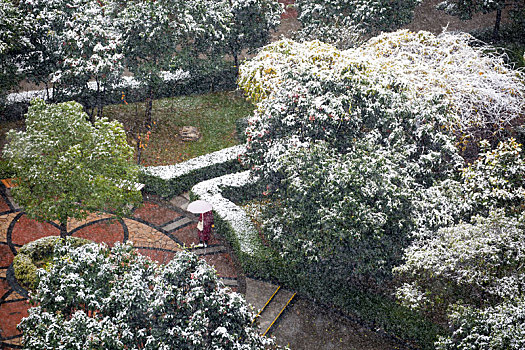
361, 150
97, 297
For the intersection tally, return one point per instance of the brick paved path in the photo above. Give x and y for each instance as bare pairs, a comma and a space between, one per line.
157, 230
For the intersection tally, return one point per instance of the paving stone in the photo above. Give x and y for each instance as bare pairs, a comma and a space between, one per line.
27, 230
176, 224
108, 232
11, 314
199, 250
11, 200
155, 214
4, 206
188, 235
74, 223
5, 221
6, 255
14, 296
223, 263
180, 202
16, 342
143, 235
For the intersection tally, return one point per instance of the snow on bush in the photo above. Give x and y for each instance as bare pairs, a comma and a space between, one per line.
97, 297
353, 210
500, 327
476, 264
482, 97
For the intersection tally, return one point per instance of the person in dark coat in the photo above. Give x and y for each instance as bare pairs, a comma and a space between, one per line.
205, 227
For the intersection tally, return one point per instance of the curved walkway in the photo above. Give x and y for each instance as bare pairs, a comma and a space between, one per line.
157, 230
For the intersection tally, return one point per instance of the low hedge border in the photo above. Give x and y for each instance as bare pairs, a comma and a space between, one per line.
34, 253
171, 180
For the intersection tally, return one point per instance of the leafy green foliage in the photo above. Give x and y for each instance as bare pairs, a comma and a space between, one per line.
495, 179
475, 264
349, 213
96, 297
66, 167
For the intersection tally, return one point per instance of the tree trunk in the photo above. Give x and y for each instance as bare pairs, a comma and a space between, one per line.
101, 102
495, 34
149, 107
63, 229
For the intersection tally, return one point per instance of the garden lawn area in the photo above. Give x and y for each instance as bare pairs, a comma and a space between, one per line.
214, 114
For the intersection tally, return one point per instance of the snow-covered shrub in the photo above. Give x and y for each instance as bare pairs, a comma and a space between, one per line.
319, 95
96, 297
33, 255
475, 264
170, 180
264, 73
480, 96
499, 327
495, 179
352, 211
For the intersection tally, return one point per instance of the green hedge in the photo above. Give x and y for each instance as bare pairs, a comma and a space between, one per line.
169, 181
177, 185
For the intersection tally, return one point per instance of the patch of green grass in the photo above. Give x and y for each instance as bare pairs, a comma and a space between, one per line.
214, 114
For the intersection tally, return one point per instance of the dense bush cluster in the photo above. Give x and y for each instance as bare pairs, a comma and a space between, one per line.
395, 153
97, 297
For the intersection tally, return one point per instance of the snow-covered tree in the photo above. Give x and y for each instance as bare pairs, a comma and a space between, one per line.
251, 24
11, 44
499, 327
66, 167
91, 52
96, 297
464, 9
152, 31
46, 22
342, 22
478, 264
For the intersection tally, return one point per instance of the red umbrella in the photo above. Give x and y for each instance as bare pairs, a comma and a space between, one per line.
199, 207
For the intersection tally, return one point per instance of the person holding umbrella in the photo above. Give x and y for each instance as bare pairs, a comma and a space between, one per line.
205, 225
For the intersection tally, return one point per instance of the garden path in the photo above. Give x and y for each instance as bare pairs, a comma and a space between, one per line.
157, 229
